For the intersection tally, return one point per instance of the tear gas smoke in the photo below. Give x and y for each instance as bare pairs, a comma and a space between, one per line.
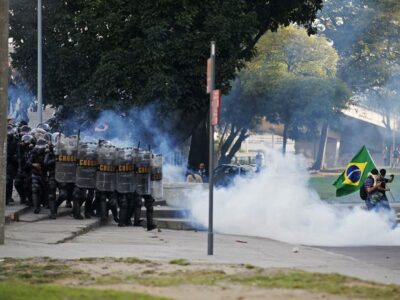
19, 100
278, 203
131, 128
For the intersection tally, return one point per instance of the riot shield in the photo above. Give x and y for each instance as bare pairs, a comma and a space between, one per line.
105, 175
142, 171
125, 171
87, 166
66, 151
156, 177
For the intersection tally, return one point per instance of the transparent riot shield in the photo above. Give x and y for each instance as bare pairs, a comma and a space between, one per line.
105, 175
87, 165
156, 177
125, 171
142, 171
66, 153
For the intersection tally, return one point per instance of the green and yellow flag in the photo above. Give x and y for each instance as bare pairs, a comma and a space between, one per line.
355, 173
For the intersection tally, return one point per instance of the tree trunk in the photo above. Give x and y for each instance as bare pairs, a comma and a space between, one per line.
284, 138
199, 145
322, 147
236, 147
3, 109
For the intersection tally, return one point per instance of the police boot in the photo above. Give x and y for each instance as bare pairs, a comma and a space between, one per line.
36, 202
19, 186
114, 211
103, 210
88, 208
123, 216
77, 210
9, 189
137, 222
53, 209
123, 211
130, 210
150, 221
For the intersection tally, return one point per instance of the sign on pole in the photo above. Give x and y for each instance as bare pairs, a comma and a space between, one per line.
216, 104
210, 90
209, 75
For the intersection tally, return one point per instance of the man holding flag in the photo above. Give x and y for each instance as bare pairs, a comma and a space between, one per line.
355, 173
361, 174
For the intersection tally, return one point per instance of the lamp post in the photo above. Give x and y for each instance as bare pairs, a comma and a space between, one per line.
211, 154
39, 60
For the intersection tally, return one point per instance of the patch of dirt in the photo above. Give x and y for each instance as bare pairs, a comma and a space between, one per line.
184, 292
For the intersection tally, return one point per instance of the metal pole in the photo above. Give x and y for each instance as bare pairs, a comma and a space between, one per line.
3, 110
39, 54
211, 159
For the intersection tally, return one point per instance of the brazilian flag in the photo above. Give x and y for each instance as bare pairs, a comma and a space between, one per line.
355, 173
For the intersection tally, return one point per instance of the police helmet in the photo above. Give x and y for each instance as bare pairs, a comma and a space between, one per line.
25, 129
55, 137
44, 126
28, 139
41, 144
10, 129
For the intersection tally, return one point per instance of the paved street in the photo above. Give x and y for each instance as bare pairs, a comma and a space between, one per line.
36, 235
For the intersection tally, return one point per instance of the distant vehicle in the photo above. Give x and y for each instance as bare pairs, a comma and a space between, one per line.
225, 174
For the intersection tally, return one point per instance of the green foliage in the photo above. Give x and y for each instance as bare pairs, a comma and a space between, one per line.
115, 54
327, 283
20, 291
179, 262
293, 80
42, 271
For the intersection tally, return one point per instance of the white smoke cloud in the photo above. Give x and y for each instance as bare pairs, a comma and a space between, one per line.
280, 204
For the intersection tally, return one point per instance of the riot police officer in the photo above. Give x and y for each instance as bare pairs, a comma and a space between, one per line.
38, 170
51, 187
143, 187
105, 180
124, 184
65, 172
85, 182
12, 161
23, 183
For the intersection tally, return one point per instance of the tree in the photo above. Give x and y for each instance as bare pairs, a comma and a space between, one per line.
122, 53
239, 115
366, 35
296, 76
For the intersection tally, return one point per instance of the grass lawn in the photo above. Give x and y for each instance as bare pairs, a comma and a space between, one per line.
323, 185
20, 291
43, 278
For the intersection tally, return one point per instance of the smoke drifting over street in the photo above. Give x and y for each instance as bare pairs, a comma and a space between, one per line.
279, 204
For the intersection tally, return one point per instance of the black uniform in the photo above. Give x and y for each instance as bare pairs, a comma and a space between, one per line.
38, 172
50, 163
12, 164
23, 182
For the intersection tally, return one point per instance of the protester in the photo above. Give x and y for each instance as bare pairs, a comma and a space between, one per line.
386, 156
384, 181
203, 172
374, 190
259, 161
398, 156
395, 154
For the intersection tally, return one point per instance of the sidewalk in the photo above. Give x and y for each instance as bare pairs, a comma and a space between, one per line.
167, 244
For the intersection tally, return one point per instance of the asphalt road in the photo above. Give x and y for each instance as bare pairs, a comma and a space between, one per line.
382, 256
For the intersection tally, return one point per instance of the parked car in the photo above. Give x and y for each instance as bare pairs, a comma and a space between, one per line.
225, 174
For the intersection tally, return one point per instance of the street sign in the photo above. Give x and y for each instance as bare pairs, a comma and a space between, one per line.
215, 105
209, 75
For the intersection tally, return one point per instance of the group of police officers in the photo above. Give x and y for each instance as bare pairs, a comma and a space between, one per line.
97, 174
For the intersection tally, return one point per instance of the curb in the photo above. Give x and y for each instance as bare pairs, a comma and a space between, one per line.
82, 231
